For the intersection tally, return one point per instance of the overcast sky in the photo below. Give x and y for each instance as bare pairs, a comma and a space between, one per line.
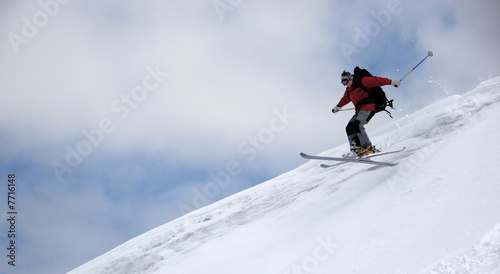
119, 116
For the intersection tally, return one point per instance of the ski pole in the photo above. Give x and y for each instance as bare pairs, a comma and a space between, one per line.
428, 54
347, 109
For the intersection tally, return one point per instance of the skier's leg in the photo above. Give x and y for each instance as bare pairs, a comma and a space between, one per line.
362, 118
352, 130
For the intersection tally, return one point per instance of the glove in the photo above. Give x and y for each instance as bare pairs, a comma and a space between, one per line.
395, 83
336, 109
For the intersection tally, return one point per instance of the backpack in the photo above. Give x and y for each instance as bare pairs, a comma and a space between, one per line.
377, 94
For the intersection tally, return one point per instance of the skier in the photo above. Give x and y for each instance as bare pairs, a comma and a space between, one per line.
359, 142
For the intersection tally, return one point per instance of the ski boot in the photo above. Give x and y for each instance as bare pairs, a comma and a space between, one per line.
353, 153
362, 152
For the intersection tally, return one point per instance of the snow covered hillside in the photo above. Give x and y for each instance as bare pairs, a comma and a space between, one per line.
435, 212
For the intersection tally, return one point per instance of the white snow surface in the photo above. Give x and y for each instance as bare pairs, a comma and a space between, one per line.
438, 211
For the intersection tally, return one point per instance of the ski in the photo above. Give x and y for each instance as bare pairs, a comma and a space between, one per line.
358, 160
367, 160
364, 160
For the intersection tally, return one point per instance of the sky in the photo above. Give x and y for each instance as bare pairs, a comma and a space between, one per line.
119, 116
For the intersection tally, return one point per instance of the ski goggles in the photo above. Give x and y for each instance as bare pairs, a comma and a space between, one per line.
345, 79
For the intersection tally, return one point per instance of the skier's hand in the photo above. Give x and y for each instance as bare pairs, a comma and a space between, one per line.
395, 83
336, 109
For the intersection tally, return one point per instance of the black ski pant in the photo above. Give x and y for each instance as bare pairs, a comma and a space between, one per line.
355, 129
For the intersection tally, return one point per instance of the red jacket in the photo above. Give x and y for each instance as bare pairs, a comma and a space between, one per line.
356, 95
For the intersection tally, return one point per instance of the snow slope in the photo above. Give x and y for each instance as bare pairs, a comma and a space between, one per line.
436, 212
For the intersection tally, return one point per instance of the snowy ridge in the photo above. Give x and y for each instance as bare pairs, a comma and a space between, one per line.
436, 212
482, 258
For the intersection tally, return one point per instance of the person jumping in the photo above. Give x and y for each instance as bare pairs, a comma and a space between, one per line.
358, 92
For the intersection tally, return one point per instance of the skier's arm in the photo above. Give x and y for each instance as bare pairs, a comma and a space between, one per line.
371, 82
344, 100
